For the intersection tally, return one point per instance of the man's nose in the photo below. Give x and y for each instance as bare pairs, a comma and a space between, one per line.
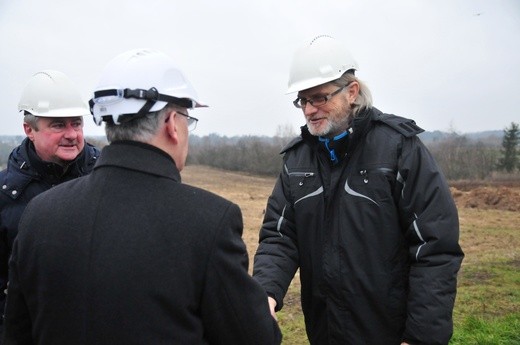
71, 132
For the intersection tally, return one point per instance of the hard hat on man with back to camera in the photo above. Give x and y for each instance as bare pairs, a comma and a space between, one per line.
138, 82
51, 93
322, 60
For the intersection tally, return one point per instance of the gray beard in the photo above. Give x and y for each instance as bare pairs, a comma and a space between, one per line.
332, 129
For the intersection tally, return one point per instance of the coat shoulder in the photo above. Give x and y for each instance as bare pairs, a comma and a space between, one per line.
292, 144
404, 126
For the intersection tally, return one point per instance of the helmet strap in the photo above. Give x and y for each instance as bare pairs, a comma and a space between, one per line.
151, 96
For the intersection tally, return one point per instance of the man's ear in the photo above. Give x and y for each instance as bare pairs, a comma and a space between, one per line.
171, 126
353, 91
29, 131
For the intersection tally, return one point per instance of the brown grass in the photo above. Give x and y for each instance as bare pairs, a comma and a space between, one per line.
501, 233
489, 232
501, 228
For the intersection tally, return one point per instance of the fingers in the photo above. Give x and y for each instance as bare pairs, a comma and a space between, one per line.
272, 306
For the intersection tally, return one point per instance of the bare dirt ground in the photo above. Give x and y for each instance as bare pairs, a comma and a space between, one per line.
490, 196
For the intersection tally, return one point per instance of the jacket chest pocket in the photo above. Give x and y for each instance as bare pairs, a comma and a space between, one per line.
304, 184
374, 186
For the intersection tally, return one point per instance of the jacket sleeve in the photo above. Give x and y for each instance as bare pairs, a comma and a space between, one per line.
430, 222
276, 259
234, 306
4, 259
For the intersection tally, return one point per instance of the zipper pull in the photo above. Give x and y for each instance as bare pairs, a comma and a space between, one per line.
305, 175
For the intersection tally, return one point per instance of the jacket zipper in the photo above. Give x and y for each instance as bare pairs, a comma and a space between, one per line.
301, 174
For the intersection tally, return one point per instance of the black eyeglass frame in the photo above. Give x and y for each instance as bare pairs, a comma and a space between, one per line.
192, 121
317, 101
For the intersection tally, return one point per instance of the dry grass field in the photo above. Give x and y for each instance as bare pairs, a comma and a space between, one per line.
490, 238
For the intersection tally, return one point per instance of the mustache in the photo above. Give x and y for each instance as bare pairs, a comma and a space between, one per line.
69, 142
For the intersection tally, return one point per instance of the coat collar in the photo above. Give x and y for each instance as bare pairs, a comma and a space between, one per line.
139, 156
24, 166
360, 126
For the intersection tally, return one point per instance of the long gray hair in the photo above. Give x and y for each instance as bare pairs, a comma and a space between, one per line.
364, 98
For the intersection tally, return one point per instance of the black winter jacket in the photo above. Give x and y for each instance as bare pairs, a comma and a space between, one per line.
375, 237
25, 177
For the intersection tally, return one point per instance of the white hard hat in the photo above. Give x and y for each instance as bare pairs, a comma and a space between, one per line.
52, 94
137, 82
321, 60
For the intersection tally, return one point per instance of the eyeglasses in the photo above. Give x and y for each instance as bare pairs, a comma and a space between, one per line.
192, 121
317, 101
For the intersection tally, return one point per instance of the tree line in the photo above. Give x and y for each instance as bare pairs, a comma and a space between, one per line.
459, 157
463, 159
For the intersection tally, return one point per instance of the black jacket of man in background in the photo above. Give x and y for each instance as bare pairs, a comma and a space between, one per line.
25, 177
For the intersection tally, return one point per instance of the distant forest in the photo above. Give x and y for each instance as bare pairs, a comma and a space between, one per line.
461, 156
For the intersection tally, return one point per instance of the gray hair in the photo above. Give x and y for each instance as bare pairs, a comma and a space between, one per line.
142, 129
31, 120
364, 98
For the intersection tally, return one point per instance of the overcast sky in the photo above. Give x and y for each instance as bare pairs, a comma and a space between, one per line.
448, 64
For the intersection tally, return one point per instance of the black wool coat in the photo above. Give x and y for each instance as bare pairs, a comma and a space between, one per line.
129, 255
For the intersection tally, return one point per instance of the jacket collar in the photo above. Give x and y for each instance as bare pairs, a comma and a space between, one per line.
25, 166
360, 125
50, 170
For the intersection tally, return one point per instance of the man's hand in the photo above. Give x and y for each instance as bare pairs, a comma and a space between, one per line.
272, 305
